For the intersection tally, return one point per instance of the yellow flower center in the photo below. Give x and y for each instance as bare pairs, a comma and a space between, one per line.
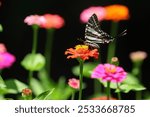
81, 47
110, 69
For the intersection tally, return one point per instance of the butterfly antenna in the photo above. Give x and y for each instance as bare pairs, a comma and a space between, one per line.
122, 34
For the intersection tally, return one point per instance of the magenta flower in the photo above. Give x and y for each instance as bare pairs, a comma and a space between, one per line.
98, 10
74, 83
6, 60
34, 20
109, 72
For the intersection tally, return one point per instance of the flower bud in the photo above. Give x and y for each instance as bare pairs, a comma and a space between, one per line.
74, 83
115, 61
27, 94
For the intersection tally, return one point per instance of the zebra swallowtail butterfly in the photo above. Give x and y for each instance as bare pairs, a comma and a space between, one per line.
94, 35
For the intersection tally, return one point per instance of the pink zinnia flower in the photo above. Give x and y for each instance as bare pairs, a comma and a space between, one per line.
98, 10
2, 48
74, 83
34, 20
109, 72
6, 60
52, 21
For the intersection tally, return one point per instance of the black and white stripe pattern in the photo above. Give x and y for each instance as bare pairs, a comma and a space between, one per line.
94, 35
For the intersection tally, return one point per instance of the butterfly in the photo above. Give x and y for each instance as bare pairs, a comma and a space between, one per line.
94, 35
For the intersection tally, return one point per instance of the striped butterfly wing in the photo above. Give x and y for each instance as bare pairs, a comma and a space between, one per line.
93, 33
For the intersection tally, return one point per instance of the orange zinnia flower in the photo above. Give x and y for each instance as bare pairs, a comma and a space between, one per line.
82, 51
116, 12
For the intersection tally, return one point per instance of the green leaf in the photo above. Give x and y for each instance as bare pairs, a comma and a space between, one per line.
131, 87
63, 87
67, 93
61, 83
2, 97
61, 94
4, 89
15, 85
131, 83
8, 91
2, 83
87, 69
33, 62
45, 80
131, 79
62, 90
112, 85
36, 86
45, 95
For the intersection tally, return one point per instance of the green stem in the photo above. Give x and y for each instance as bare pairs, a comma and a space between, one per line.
34, 48
136, 69
97, 84
1, 72
138, 95
30, 78
27, 97
48, 50
97, 87
119, 94
81, 78
35, 34
73, 95
138, 73
112, 45
108, 90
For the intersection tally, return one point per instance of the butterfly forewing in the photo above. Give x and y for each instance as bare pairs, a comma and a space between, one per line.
92, 28
93, 22
93, 33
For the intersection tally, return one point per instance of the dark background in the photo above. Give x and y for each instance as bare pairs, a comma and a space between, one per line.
17, 36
